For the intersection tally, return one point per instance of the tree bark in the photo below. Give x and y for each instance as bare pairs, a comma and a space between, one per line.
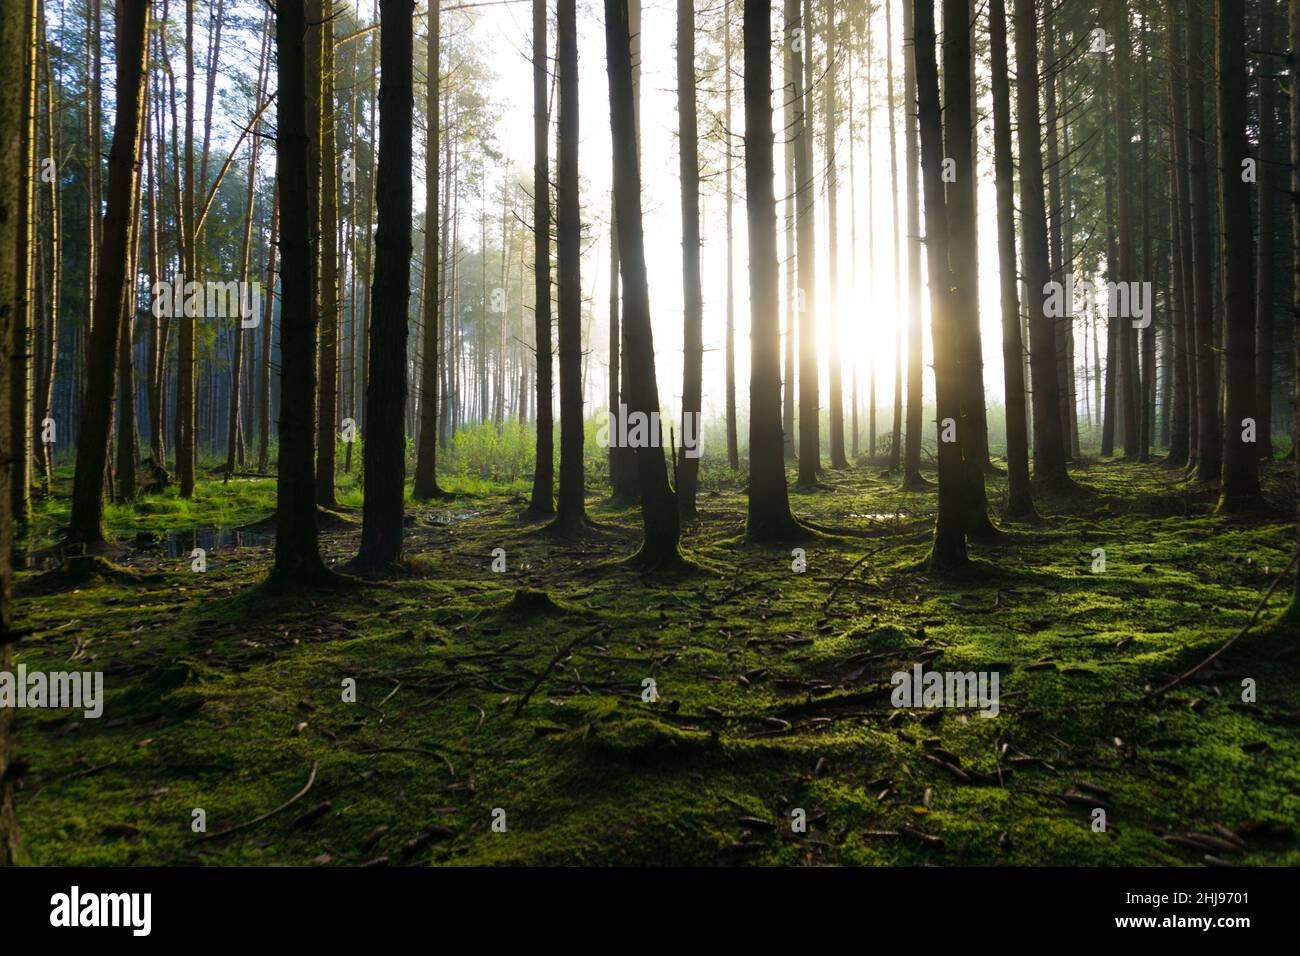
297, 550
543, 492
426, 462
1020, 501
86, 525
571, 513
768, 517
949, 549
1239, 490
912, 479
688, 466
1049, 446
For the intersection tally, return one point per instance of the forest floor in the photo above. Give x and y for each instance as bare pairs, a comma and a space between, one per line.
774, 688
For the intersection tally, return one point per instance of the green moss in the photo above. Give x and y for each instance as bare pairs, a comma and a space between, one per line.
773, 688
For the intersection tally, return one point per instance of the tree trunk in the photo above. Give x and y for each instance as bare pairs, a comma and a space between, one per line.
1240, 485
1020, 501
86, 526
658, 507
896, 442
806, 228
15, 104
768, 517
268, 321
958, 126
385, 436
297, 550
1049, 445
949, 549
426, 470
1180, 427
572, 509
328, 358
1209, 454
543, 492
912, 479
1268, 188
733, 444
831, 126
688, 467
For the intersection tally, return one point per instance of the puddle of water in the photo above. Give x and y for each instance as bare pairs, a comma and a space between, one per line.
451, 517
179, 544
879, 516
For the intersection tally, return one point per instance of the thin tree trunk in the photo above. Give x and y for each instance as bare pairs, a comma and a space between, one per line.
768, 516
688, 466
659, 513
733, 444
1240, 485
958, 127
912, 479
571, 511
1209, 446
1020, 501
86, 525
426, 469
806, 228
1049, 446
949, 548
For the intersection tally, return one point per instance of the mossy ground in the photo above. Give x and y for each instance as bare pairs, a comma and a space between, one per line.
773, 690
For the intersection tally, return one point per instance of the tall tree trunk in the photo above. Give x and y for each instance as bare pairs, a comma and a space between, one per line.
127, 439
1049, 445
733, 444
1127, 232
44, 397
768, 517
1293, 612
186, 453
793, 298
959, 145
1180, 429
268, 322
912, 479
1020, 501
1209, 446
328, 357
15, 103
385, 437
806, 228
949, 549
688, 467
896, 442
1267, 189
86, 525
658, 505
426, 470
1240, 485
543, 492
831, 126
571, 512
297, 549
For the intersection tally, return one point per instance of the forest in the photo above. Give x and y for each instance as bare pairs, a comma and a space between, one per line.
649, 432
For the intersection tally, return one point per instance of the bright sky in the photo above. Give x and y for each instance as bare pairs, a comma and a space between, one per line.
870, 306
